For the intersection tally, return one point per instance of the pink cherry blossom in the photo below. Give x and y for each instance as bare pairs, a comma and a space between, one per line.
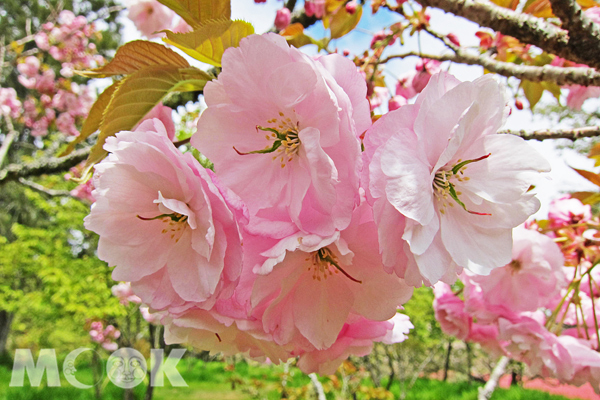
396, 102
161, 218
164, 114
314, 7
124, 293
312, 285
579, 94
566, 211
149, 16
449, 312
404, 87
541, 350
487, 337
306, 114
534, 275
425, 69
356, 338
447, 183
586, 362
9, 104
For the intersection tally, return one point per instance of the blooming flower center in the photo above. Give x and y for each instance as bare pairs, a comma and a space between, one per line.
515, 266
175, 224
284, 136
444, 185
324, 263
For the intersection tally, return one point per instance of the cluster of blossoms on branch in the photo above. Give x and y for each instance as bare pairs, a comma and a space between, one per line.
540, 308
56, 102
104, 336
299, 244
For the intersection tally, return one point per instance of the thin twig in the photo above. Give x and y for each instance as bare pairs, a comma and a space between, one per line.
543, 134
42, 189
43, 166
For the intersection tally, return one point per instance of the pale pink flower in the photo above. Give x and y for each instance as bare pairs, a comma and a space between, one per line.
124, 293
566, 211
282, 18
586, 362
161, 218
312, 284
579, 94
380, 94
9, 104
148, 317
425, 69
487, 337
165, 115
447, 183
396, 102
150, 17
450, 312
356, 338
314, 7
531, 343
207, 330
306, 114
533, 277
404, 87
30, 67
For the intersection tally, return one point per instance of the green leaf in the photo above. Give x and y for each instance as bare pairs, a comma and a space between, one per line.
197, 12
136, 95
208, 42
533, 92
136, 55
342, 22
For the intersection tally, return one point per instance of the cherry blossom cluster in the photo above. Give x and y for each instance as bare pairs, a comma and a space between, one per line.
104, 336
540, 308
301, 244
10, 106
57, 101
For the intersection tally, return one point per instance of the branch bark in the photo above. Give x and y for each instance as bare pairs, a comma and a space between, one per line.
43, 166
524, 27
543, 134
584, 34
560, 76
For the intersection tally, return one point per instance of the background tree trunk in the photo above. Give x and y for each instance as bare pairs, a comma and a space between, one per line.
5, 322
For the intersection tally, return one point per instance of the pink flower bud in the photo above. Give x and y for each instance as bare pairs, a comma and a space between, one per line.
283, 18
351, 7
453, 38
396, 102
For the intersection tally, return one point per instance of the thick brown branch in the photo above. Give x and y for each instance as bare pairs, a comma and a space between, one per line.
560, 76
543, 134
584, 34
524, 27
43, 166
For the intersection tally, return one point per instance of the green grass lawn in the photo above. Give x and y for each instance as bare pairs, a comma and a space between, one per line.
245, 381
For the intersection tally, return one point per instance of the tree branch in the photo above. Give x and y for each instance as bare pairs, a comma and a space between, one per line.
318, 386
559, 75
485, 393
43, 166
584, 34
42, 189
524, 27
543, 134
